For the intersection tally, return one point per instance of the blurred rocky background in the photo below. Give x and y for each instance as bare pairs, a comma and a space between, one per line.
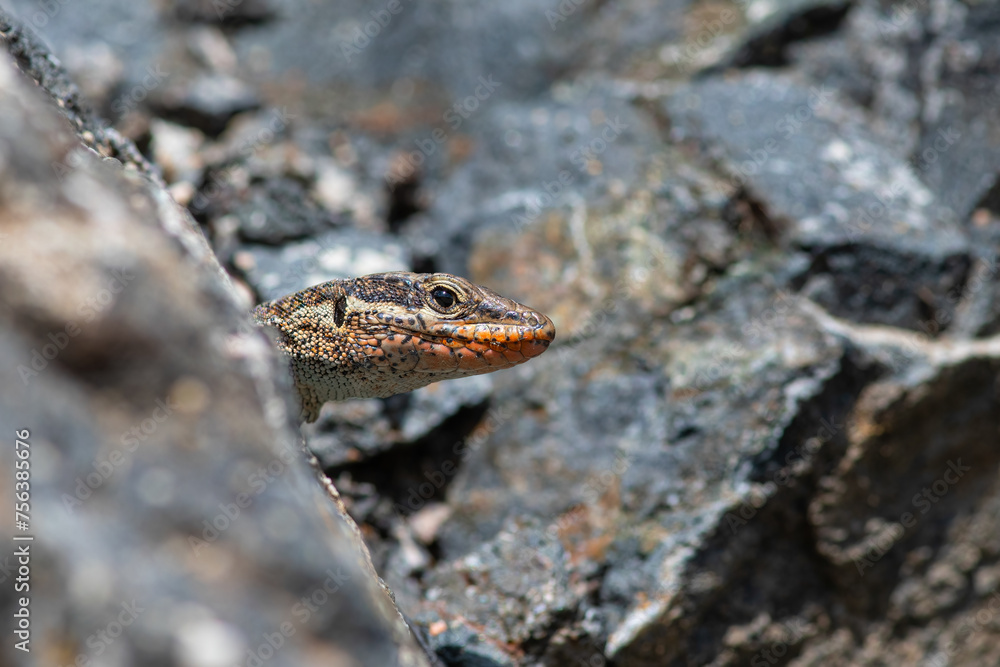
768, 432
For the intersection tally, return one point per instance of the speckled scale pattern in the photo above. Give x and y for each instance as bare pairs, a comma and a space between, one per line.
386, 333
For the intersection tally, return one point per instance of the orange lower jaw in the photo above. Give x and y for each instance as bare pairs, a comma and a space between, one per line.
505, 354
474, 357
478, 348
533, 348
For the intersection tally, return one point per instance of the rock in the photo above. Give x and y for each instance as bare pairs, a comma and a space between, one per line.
929, 89
275, 272
176, 150
622, 491
531, 159
166, 474
353, 431
277, 210
137, 38
40, 65
530, 578
520, 44
775, 26
207, 102
229, 13
764, 362
884, 248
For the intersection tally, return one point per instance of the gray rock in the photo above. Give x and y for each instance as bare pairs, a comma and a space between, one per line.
230, 13
531, 159
207, 102
885, 249
927, 77
166, 473
757, 374
130, 28
353, 431
276, 211
776, 26
275, 272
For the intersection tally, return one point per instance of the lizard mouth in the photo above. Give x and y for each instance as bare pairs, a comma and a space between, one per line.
473, 348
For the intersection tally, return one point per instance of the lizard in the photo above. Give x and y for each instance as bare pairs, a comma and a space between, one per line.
390, 333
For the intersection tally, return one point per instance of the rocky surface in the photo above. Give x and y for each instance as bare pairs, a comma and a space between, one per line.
174, 516
769, 430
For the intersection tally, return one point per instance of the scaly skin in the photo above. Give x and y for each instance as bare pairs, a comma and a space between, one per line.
389, 333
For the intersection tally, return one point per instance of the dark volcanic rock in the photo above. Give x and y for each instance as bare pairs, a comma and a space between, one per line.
41, 66
813, 162
230, 13
530, 159
877, 284
175, 517
207, 102
885, 248
767, 430
926, 75
276, 211
356, 430
767, 42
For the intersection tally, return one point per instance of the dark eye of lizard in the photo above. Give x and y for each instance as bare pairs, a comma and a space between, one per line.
443, 297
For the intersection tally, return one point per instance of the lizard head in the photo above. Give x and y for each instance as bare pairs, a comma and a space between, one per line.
389, 333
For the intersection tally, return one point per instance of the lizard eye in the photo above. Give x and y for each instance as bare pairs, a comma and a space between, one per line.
444, 298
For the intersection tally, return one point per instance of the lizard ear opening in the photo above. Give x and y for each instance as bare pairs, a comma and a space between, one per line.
340, 310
